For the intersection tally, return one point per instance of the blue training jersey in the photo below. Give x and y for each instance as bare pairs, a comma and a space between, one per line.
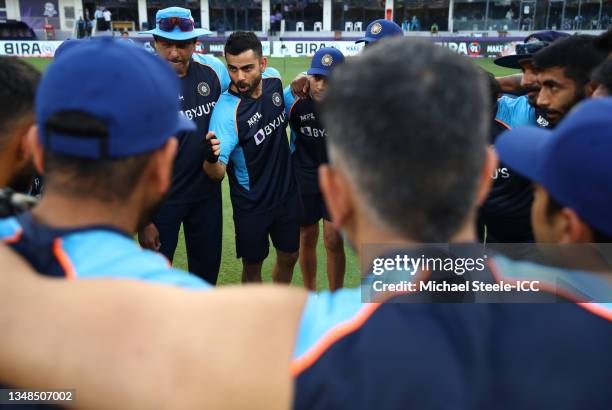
89, 252
515, 112
254, 146
354, 355
308, 145
206, 79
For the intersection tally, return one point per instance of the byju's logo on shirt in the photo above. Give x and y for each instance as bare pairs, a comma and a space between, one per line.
199, 111
313, 132
261, 134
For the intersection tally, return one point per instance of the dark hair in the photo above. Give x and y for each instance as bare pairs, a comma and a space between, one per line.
577, 55
604, 41
553, 207
602, 75
241, 41
409, 121
494, 91
18, 82
107, 180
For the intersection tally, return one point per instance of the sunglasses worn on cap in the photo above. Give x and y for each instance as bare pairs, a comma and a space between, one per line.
530, 48
183, 24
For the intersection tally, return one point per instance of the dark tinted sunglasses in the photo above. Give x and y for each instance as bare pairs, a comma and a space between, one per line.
530, 48
183, 24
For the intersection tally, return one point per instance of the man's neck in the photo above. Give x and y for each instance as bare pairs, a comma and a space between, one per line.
66, 212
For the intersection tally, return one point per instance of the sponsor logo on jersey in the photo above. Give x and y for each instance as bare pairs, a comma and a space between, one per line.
307, 117
313, 132
277, 99
262, 133
203, 89
254, 119
200, 110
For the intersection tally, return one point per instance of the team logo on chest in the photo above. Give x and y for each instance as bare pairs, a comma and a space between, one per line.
277, 99
203, 89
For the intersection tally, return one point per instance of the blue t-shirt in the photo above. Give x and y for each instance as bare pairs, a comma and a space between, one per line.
206, 79
254, 146
89, 252
358, 355
308, 145
515, 112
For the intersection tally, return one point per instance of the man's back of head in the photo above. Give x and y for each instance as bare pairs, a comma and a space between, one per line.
413, 147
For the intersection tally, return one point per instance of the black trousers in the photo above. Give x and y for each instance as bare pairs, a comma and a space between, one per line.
202, 225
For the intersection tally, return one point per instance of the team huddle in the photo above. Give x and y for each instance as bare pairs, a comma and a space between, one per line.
386, 148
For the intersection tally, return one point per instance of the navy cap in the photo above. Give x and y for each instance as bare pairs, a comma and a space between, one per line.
538, 40
379, 29
132, 91
325, 60
176, 34
572, 162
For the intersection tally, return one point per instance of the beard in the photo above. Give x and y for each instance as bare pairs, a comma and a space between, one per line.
251, 88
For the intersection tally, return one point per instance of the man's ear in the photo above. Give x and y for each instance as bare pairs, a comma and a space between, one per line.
572, 228
35, 149
589, 89
337, 192
264, 64
486, 175
161, 164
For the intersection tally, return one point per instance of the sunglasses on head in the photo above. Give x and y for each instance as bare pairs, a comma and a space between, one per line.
530, 48
183, 24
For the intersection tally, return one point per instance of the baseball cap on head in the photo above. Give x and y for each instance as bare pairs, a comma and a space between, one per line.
325, 60
67, 45
134, 93
176, 23
379, 29
571, 162
531, 45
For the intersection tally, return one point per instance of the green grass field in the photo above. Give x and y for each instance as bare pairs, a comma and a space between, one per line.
231, 267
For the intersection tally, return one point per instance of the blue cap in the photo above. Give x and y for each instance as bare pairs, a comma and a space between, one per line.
379, 29
132, 91
66, 45
543, 37
175, 34
325, 60
572, 162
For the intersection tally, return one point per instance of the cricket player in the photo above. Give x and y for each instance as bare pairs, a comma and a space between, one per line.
163, 347
194, 199
107, 158
308, 152
248, 140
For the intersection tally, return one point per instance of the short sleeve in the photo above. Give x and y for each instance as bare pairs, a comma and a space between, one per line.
223, 124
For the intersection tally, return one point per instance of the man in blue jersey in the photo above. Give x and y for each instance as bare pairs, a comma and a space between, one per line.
107, 165
308, 152
248, 139
194, 199
345, 353
522, 110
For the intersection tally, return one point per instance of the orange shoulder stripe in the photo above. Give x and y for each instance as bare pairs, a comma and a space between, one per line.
63, 259
13, 239
332, 336
503, 123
